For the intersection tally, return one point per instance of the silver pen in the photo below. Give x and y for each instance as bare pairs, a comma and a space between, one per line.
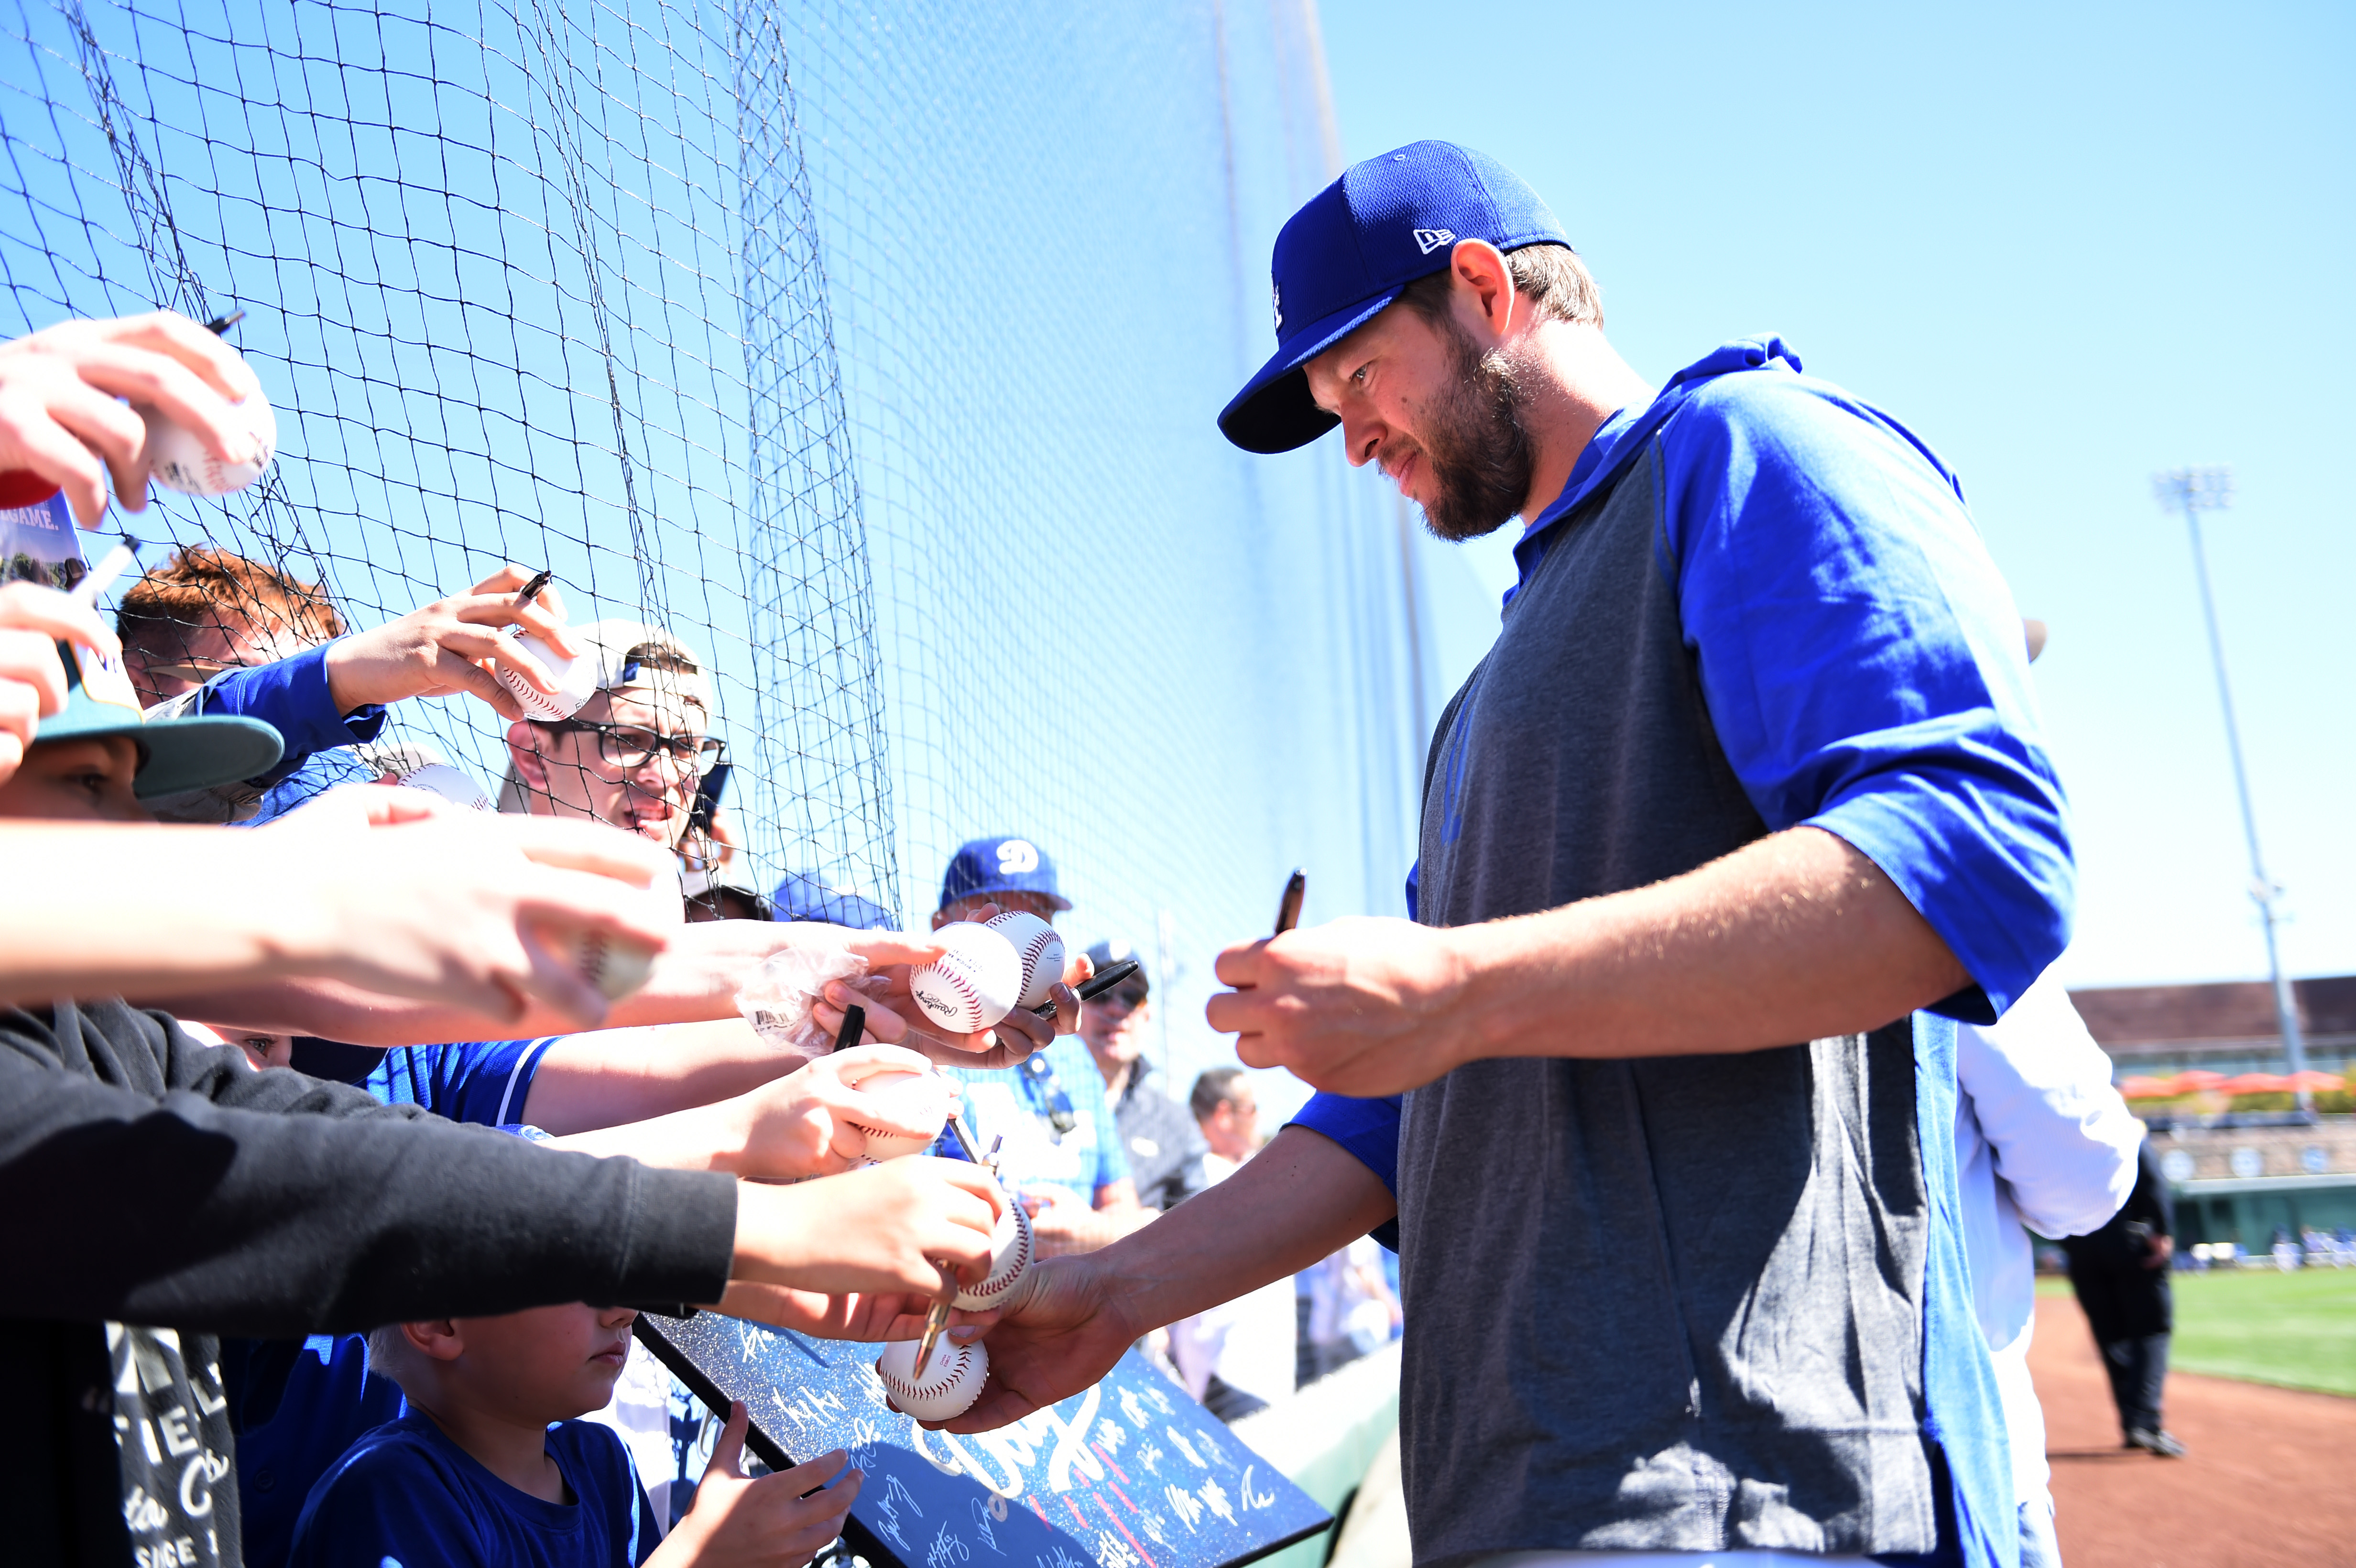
100, 578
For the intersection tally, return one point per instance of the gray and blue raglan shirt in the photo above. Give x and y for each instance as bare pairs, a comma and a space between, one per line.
1708, 1302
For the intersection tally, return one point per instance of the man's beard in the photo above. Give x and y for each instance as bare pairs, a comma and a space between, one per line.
1473, 439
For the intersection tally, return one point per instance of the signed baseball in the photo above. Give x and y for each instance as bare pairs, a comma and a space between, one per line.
1010, 1259
949, 1385
973, 984
576, 681
920, 1095
178, 461
1037, 948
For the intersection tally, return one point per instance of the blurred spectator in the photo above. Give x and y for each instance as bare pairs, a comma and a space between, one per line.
1062, 1156
2120, 1273
1351, 1308
805, 897
206, 613
1165, 1150
718, 893
1241, 1355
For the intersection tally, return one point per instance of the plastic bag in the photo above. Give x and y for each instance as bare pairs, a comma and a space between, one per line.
777, 999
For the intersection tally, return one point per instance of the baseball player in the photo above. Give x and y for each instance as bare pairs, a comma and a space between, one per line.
1747, 804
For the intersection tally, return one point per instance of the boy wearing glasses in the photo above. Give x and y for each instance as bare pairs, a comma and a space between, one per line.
634, 754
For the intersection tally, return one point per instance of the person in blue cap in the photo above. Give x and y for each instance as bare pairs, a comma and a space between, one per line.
1062, 1152
1747, 804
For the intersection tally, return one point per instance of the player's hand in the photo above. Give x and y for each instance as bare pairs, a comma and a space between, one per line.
763, 1524
1365, 1006
449, 646
406, 895
814, 1121
33, 620
1014, 1037
889, 1228
59, 417
1063, 1335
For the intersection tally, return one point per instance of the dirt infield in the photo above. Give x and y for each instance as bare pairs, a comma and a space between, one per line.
2270, 1479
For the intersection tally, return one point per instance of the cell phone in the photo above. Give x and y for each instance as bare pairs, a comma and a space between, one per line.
1095, 986
708, 791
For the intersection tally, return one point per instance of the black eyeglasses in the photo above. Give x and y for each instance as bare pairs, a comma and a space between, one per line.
630, 745
1124, 999
1040, 1079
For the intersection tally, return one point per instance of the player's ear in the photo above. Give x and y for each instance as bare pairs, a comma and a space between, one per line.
436, 1336
523, 751
1484, 284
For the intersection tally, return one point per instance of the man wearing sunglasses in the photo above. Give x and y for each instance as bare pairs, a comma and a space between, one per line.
634, 754
1062, 1151
1165, 1150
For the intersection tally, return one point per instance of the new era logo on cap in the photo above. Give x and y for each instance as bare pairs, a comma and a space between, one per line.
1345, 255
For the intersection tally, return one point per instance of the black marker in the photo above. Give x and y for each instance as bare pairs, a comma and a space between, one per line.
221, 324
1288, 908
855, 1019
531, 591
1095, 986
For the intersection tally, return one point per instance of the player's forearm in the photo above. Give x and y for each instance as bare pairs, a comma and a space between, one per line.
1297, 1201
707, 1137
1796, 937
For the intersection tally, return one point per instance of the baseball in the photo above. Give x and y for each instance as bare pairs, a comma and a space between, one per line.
949, 1385
576, 681
450, 784
178, 461
925, 1095
1009, 1260
1039, 949
973, 984
616, 966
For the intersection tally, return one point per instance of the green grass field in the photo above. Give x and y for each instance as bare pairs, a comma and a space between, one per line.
2296, 1329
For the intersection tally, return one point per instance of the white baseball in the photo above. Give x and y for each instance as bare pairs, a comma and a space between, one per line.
973, 984
615, 965
1037, 947
576, 681
1010, 1250
178, 461
451, 784
951, 1382
922, 1094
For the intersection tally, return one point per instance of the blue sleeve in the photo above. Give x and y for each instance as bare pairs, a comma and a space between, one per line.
1864, 664
387, 1502
1367, 1131
486, 1081
291, 696
316, 774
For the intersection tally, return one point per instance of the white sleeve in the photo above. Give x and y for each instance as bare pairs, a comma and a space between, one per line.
2062, 1139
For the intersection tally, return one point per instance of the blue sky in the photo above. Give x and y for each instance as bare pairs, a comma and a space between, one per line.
2068, 246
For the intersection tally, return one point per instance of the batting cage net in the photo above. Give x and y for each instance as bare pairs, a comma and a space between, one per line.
864, 356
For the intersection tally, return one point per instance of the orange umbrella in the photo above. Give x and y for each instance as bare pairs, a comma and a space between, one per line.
2193, 1080
2255, 1083
2316, 1082
2142, 1087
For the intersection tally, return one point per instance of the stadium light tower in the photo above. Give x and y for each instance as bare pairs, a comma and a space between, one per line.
2193, 491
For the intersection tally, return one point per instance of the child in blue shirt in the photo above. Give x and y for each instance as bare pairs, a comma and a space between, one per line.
488, 1469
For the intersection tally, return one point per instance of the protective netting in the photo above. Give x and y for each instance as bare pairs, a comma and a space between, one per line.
870, 351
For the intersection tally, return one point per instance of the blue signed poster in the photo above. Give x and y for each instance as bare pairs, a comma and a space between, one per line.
1131, 1474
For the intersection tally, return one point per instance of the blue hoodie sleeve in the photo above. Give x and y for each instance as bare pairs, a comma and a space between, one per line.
1368, 1131
292, 697
1864, 663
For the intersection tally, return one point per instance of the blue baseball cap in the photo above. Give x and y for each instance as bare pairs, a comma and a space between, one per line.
1001, 865
1345, 256
805, 897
